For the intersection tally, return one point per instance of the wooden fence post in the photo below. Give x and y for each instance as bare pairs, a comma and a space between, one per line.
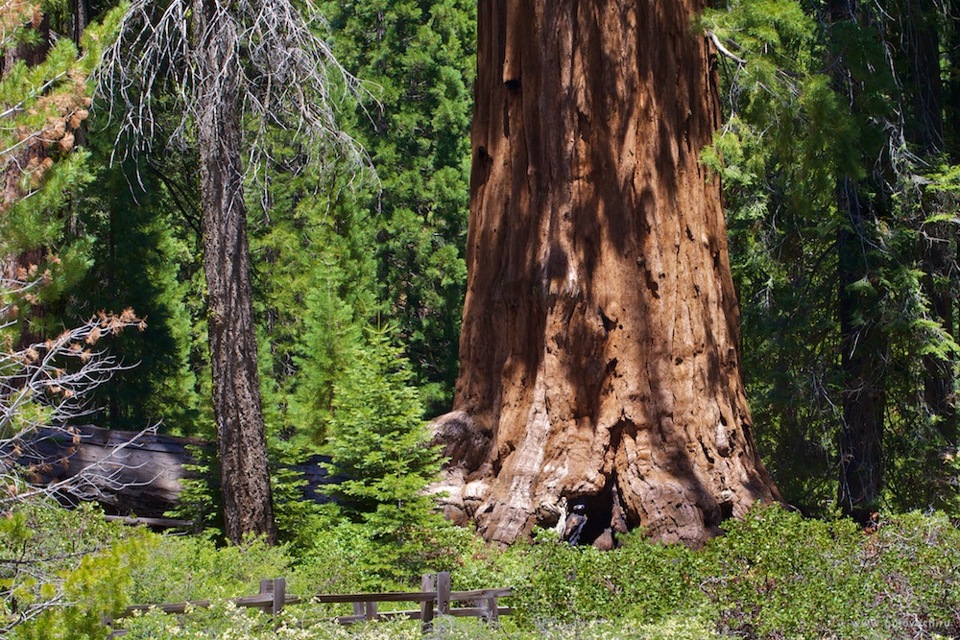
435, 598
493, 613
277, 587
427, 583
443, 593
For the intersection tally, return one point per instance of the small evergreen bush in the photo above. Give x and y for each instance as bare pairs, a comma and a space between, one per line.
380, 445
61, 570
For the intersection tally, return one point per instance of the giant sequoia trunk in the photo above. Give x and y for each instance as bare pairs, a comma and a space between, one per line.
247, 503
599, 350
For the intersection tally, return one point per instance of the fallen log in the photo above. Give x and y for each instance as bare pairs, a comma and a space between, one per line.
127, 472
131, 474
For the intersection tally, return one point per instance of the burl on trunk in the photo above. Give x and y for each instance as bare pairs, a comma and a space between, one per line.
599, 383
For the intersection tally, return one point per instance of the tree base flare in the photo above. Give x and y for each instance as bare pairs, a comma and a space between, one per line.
621, 490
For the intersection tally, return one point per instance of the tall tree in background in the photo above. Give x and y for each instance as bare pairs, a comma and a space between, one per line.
236, 70
45, 98
786, 139
923, 25
864, 345
314, 284
418, 58
921, 188
62, 203
600, 363
147, 257
840, 209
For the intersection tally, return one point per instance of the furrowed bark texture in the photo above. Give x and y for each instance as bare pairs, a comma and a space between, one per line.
247, 501
599, 350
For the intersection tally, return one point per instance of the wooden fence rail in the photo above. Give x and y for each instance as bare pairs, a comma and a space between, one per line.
435, 598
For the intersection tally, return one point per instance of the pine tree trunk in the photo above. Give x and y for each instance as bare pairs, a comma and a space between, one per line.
925, 132
862, 342
600, 349
247, 502
864, 347
951, 88
80, 18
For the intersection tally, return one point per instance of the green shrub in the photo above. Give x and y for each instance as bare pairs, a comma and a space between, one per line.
226, 622
346, 556
562, 585
557, 584
778, 575
656, 581
337, 562
772, 575
61, 570
919, 558
181, 568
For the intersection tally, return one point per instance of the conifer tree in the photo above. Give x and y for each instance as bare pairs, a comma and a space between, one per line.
146, 257
45, 98
236, 71
314, 289
417, 57
844, 305
380, 444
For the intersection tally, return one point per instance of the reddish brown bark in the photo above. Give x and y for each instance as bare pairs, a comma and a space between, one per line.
599, 351
27, 164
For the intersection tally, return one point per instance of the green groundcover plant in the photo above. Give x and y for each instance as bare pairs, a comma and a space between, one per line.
771, 575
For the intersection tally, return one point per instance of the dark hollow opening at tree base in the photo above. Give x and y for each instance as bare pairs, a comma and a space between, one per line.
595, 519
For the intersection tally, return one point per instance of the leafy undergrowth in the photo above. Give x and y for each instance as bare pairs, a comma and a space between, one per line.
773, 575
228, 623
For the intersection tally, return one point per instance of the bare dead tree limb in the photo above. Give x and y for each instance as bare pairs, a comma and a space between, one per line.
45, 387
287, 76
722, 49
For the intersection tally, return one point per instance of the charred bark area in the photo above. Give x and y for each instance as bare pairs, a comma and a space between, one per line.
600, 347
247, 501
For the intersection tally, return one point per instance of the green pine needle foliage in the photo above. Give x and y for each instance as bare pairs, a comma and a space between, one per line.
378, 439
314, 279
146, 258
380, 446
43, 106
417, 58
792, 138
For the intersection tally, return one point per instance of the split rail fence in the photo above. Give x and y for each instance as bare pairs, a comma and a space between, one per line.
435, 599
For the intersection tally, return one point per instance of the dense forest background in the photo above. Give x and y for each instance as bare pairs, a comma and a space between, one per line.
837, 156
